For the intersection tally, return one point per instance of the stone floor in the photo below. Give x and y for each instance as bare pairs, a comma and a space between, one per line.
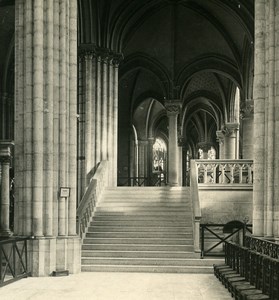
116, 286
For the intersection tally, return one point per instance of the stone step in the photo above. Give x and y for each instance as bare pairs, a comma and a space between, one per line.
153, 223
149, 261
148, 197
142, 213
147, 189
178, 229
141, 241
139, 247
148, 269
139, 234
145, 204
142, 209
138, 218
139, 254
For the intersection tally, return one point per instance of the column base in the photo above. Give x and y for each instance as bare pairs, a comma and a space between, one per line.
6, 233
48, 255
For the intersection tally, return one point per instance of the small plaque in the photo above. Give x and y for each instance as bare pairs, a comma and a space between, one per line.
64, 192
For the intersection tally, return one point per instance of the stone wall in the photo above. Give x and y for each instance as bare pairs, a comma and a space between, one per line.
225, 205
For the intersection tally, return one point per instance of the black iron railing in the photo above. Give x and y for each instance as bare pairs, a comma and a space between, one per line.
262, 246
13, 260
214, 236
257, 269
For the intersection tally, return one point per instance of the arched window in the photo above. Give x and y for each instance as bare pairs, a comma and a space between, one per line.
159, 155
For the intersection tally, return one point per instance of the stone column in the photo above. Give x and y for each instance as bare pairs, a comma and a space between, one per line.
5, 156
259, 94
231, 144
45, 132
220, 140
150, 158
247, 116
116, 61
182, 153
173, 109
143, 158
99, 86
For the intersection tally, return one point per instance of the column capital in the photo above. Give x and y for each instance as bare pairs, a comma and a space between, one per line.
103, 54
247, 111
5, 149
230, 128
220, 136
173, 107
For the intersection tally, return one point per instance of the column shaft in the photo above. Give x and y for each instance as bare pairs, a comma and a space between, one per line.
27, 113
173, 150
259, 119
19, 108
104, 110
115, 123
37, 129
48, 124
88, 112
5, 198
98, 112
73, 119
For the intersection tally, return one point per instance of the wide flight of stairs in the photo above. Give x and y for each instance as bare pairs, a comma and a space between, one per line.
143, 230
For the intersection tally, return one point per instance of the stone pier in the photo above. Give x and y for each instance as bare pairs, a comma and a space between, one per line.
45, 132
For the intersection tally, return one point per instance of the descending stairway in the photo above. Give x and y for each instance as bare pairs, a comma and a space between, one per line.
143, 230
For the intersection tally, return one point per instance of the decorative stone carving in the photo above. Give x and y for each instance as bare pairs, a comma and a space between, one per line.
104, 55
247, 110
230, 128
173, 107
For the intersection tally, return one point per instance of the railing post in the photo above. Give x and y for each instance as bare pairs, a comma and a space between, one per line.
197, 234
202, 241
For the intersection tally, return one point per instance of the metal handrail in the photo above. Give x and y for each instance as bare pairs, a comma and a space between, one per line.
262, 246
13, 260
244, 228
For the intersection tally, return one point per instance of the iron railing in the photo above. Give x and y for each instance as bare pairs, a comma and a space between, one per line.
262, 246
217, 232
13, 260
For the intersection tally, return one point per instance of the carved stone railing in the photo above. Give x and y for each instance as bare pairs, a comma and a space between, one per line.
91, 196
225, 171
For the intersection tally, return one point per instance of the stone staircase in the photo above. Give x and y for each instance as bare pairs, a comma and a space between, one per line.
143, 230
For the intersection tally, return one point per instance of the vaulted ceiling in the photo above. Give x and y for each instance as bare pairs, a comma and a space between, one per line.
197, 51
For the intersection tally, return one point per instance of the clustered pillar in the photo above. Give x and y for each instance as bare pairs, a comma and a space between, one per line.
98, 112
266, 124
45, 132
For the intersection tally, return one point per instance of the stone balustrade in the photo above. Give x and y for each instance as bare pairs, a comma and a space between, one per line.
225, 171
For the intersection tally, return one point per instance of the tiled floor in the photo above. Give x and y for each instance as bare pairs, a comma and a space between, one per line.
116, 286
